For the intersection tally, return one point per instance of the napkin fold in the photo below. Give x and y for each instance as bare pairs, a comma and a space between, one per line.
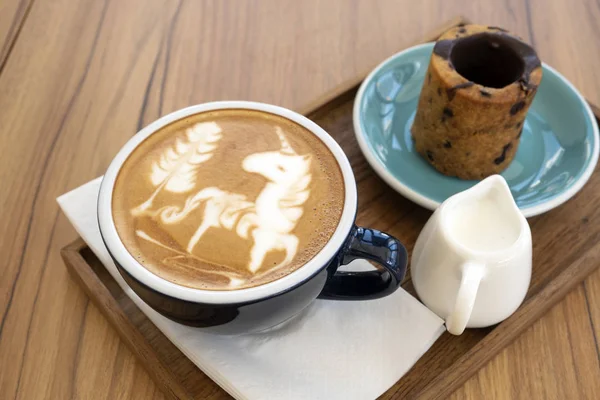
332, 350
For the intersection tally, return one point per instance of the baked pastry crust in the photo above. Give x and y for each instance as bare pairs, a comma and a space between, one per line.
466, 129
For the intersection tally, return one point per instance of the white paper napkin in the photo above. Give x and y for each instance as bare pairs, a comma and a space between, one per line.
333, 350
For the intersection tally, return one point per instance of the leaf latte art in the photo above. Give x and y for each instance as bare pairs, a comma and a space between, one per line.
176, 169
228, 199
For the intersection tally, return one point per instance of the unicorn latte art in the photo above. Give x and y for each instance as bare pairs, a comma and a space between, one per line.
228, 199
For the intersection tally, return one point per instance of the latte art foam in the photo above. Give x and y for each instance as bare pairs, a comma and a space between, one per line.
228, 199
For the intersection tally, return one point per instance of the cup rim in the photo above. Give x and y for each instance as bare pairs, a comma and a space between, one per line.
122, 256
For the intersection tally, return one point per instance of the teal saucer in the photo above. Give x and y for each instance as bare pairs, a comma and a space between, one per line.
556, 156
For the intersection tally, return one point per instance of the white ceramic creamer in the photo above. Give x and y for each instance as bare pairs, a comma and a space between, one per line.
472, 261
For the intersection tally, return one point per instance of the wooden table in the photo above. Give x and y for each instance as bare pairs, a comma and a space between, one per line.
79, 77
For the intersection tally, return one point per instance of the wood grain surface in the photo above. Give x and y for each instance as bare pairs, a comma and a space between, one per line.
12, 16
79, 77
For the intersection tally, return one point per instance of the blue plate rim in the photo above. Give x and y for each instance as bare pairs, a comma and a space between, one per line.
428, 202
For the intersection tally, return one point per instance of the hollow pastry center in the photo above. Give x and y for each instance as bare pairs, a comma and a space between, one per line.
487, 59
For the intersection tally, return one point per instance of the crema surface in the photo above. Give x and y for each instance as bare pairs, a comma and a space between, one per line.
228, 199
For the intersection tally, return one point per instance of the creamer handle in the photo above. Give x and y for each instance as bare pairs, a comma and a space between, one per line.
465, 300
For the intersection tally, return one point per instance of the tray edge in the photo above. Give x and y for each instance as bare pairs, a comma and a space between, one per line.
508, 331
108, 306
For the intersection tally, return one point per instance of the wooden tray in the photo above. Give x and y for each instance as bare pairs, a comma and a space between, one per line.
566, 250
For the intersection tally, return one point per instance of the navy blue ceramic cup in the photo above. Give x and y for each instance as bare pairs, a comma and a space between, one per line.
261, 307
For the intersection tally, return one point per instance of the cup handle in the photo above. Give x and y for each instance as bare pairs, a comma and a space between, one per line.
373, 245
465, 300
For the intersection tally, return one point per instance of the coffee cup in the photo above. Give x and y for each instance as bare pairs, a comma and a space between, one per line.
235, 164
471, 264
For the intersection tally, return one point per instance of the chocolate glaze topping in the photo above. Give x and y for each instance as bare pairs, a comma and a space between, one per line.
497, 28
491, 59
502, 156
